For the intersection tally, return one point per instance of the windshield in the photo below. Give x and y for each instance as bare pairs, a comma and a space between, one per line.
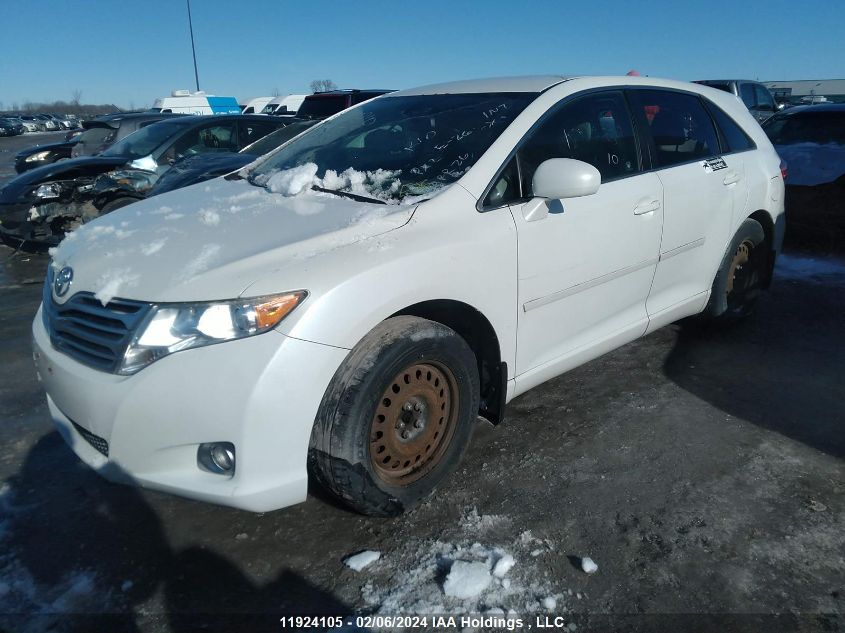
807, 127
275, 139
146, 140
394, 147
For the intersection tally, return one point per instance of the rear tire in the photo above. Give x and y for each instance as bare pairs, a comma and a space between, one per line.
738, 283
397, 416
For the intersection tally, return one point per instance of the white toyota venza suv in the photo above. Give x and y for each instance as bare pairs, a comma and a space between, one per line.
348, 305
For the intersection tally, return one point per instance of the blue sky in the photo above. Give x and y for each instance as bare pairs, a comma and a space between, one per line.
129, 53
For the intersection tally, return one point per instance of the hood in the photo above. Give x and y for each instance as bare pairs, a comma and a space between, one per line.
194, 169
63, 170
812, 164
212, 240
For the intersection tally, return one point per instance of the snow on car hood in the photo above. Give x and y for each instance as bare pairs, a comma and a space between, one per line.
212, 240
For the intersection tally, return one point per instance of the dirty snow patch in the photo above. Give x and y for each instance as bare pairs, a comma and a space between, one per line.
466, 579
503, 566
362, 559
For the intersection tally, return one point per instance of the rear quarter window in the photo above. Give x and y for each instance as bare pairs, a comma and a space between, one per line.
734, 138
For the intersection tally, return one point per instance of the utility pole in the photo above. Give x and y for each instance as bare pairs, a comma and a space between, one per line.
193, 50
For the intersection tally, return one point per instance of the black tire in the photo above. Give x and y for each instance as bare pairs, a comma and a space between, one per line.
117, 203
406, 356
738, 283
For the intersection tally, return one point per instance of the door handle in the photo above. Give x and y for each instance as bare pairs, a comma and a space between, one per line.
732, 178
647, 207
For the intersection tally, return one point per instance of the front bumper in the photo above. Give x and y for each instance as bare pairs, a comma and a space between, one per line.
261, 393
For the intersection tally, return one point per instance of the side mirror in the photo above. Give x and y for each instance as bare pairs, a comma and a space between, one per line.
559, 178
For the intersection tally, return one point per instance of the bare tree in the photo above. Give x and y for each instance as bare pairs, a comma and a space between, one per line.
323, 85
76, 97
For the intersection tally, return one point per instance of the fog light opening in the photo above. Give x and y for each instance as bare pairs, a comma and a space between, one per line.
217, 457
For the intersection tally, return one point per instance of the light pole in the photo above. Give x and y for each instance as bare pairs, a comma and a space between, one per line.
193, 50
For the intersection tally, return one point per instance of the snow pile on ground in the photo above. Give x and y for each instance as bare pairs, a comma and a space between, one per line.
361, 560
439, 577
466, 579
588, 565
804, 268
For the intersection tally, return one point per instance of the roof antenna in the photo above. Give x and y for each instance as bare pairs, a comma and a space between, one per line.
193, 50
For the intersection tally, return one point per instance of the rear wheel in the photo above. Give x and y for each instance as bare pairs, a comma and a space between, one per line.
396, 417
740, 278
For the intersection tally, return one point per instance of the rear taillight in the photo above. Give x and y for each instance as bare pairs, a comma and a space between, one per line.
783, 169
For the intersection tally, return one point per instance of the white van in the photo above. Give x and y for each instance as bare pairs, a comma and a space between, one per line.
187, 102
288, 104
256, 105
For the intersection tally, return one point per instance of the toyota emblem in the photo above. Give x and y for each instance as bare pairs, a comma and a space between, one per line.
63, 280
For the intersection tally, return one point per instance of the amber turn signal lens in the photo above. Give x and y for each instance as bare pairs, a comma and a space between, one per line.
269, 313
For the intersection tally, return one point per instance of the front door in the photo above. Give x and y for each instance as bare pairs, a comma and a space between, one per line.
585, 269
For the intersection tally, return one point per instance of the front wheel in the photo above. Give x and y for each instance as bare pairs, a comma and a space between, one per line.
738, 283
396, 417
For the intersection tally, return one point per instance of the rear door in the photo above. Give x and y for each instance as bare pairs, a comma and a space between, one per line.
584, 269
699, 186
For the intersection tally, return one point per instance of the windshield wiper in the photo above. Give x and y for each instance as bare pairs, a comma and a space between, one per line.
346, 194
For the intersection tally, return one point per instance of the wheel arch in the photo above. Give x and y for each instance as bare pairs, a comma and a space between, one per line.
481, 336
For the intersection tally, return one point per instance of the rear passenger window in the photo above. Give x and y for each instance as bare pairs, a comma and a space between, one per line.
595, 129
679, 125
735, 139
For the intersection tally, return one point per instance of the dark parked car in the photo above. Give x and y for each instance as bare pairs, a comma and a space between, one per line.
754, 95
196, 169
97, 135
102, 132
11, 128
321, 105
38, 207
318, 106
811, 140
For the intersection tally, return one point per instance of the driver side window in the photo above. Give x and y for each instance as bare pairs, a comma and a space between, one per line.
595, 129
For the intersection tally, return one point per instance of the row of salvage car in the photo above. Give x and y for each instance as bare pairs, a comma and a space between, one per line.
119, 159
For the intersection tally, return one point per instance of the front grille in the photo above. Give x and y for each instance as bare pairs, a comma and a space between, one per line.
86, 330
94, 440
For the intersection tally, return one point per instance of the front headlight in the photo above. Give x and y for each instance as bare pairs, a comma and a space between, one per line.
32, 158
172, 328
49, 190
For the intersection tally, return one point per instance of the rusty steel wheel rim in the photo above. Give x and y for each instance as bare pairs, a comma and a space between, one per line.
414, 423
741, 257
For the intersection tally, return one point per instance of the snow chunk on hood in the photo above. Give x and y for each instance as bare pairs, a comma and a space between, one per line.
292, 182
113, 282
382, 184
